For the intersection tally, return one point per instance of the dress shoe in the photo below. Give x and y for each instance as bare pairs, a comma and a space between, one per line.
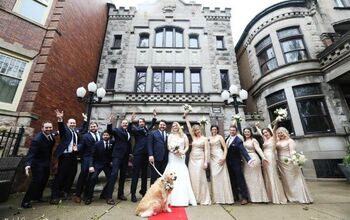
26, 205
65, 196
77, 199
41, 200
122, 197
244, 202
133, 198
87, 201
54, 201
142, 193
110, 202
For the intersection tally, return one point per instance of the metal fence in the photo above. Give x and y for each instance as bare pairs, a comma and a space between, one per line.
10, 141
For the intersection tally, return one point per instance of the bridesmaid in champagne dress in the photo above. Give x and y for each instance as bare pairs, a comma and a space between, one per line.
220, 180
198, 163
273, 183
253, 174
293, 180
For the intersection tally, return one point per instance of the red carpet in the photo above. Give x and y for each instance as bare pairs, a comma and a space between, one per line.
178, 213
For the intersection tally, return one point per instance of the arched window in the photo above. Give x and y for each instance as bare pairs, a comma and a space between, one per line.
193, 41
144, 40
169, 37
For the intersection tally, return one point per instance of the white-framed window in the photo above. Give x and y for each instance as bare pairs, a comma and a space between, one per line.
168, 81
169, 37
35, 10
13, 76
342, 3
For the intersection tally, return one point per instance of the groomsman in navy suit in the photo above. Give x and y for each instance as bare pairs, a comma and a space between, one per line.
84, 149
234, 164
67, 158
140, 156
120, 159
100, 160
158, 150
38, 163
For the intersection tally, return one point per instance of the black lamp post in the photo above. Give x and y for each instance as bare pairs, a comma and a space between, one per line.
235, 97
90, 98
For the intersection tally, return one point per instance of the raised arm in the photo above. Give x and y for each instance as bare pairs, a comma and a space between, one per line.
274, 132
154, 120
257, 126
188, 125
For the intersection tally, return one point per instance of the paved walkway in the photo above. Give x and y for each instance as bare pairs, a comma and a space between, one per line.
331, 201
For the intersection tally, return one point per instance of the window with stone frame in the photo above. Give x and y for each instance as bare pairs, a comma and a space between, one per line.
292, 43
278, 100
342, 3
144, 40
193, 41
11, 74
169, 37
313, 109
196, 81
266, 55
117, 43
220, 44
112, 74
168, 81
225, 81
35, 10
140, 85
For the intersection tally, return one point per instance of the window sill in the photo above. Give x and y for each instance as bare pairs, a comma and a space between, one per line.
221, 48
316, 135
142, 47
116, 48
194, 48
341, 8
169, 48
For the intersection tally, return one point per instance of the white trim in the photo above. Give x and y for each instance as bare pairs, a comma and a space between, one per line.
45, 3
13, 106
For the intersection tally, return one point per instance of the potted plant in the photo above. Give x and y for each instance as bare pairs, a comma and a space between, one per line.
345, 166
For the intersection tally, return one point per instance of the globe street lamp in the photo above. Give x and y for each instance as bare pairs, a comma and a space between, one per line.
238, 96
90, 98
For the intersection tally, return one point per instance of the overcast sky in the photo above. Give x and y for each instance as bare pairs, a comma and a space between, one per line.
242, 12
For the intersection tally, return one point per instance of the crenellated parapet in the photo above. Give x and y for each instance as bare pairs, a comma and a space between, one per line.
122, 13
217, 14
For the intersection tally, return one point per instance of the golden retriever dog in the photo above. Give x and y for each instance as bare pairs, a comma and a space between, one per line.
156, 198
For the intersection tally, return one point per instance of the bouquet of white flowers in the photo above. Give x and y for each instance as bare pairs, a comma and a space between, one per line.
175, 149
187, 108
237, 118
297, 158
282, 114
203, 121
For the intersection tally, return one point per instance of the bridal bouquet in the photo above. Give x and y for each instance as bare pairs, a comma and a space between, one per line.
203, 121
175, 149
297, 158
282, 114
187, 108
237, 118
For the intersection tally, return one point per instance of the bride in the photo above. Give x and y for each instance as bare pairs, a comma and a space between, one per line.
182, 194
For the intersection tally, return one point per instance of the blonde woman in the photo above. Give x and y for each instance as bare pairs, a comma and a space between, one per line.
273, 183
220, 179
293, 180
198, 163
182, 194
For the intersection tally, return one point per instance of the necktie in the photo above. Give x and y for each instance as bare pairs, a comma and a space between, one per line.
163, 136
106, 145
96, 137
74, 137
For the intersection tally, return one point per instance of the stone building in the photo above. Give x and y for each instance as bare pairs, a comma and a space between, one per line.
295, 55
48, 48
163, 55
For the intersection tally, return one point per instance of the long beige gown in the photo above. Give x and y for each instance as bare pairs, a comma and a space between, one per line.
274, 188
292, 178
197, 173
220, 180
253, 175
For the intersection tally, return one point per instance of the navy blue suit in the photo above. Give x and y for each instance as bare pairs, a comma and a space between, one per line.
140, 162
157, 147
120, 158
100, 159
234, 164
84, 149
39, 160
67, 162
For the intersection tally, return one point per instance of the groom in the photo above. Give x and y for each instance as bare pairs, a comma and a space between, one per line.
234, 164
158, 150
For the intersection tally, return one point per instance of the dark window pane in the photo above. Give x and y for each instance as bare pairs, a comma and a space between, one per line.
309, 89
276, 97
288, 32
291, 45
270, 65
159, 38
112, 73
117, 41
286, 123
141, 81
8, 88
295, 56
219, 42
264, 43
225, 81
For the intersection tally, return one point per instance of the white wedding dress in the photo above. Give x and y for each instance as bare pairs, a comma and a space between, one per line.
182, 194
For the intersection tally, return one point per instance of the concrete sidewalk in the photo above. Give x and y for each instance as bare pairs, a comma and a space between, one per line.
331, 201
